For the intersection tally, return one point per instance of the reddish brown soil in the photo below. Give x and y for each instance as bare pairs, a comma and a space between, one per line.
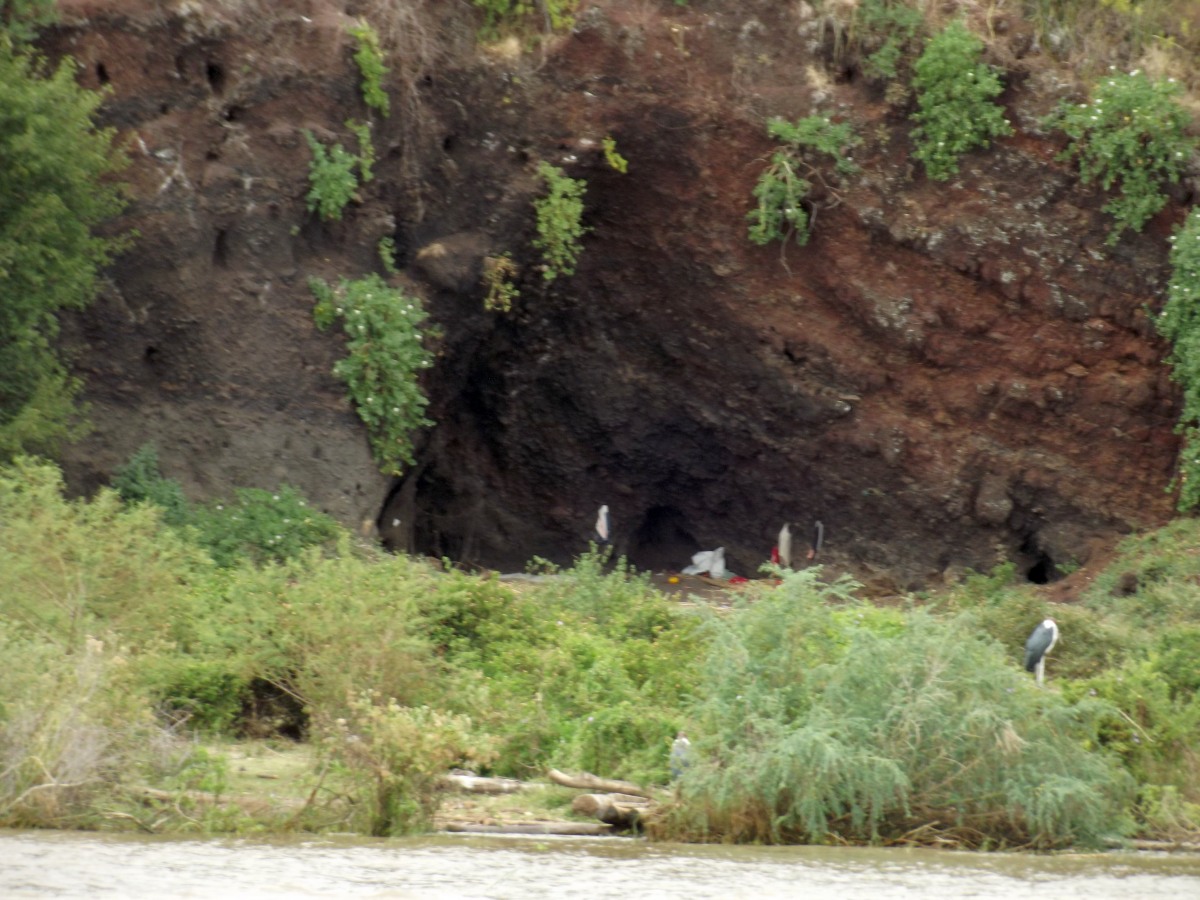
947, 375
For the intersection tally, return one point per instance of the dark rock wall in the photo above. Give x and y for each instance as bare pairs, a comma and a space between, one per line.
947, 375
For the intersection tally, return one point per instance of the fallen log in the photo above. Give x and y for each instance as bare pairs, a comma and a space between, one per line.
589, 782
478, 784
622, 811
583, 829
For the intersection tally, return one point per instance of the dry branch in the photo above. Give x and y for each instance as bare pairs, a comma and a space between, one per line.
586, 781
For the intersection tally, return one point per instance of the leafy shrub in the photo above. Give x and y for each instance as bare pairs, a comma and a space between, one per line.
588, 669
368, 54
72, 724
956, 111
69, 568
141, 481
366, 150
559, 221
783, 187
1132, 135
55, 189
614, 159
395, 757
261, 526
384, 357
207, 695
331, 178
497, 275
1154, 734
555, 14
1179, 322
886, 29
21, 20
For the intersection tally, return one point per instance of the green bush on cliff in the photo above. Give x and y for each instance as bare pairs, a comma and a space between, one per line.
55, 189
559, 221
331, 178
255, 525
956, 108
384, 358
1179, 322
368, 54
23, 19
886, 30
1131, 136
554, 15
783, 188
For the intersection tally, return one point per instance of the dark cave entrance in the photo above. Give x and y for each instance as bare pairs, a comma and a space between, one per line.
1038, 564
662, 541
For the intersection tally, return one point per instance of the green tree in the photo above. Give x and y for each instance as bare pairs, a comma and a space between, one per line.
54, 191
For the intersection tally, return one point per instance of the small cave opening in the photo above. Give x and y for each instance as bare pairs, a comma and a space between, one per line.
662, 541
221, 249
1038, 564
216, 77
102, 73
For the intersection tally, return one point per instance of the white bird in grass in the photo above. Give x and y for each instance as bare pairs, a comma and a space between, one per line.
1040, 641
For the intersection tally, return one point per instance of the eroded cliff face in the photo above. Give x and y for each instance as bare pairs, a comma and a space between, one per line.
947, 375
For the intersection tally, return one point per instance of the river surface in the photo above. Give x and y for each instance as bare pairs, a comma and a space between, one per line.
72, 864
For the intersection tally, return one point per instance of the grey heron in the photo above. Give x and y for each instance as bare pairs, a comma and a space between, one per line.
1040, 641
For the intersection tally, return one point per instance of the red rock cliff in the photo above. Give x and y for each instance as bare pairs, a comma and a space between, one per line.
947, 375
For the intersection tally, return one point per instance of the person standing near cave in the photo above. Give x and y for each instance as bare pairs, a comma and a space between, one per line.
603, 533
681, 756
818, 539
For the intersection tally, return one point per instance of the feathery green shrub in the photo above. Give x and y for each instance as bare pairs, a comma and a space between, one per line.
817, 724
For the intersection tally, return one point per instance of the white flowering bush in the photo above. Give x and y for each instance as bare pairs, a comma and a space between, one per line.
1180, 323
956, 108
260, 525
385, 354
1130, 136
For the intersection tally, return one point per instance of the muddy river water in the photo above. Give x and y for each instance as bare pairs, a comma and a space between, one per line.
70, 864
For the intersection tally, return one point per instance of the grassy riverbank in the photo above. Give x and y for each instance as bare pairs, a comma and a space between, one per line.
249, 667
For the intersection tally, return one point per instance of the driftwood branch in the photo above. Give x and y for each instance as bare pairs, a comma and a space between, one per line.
622, 811
586, 829
477, 784
586, 781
